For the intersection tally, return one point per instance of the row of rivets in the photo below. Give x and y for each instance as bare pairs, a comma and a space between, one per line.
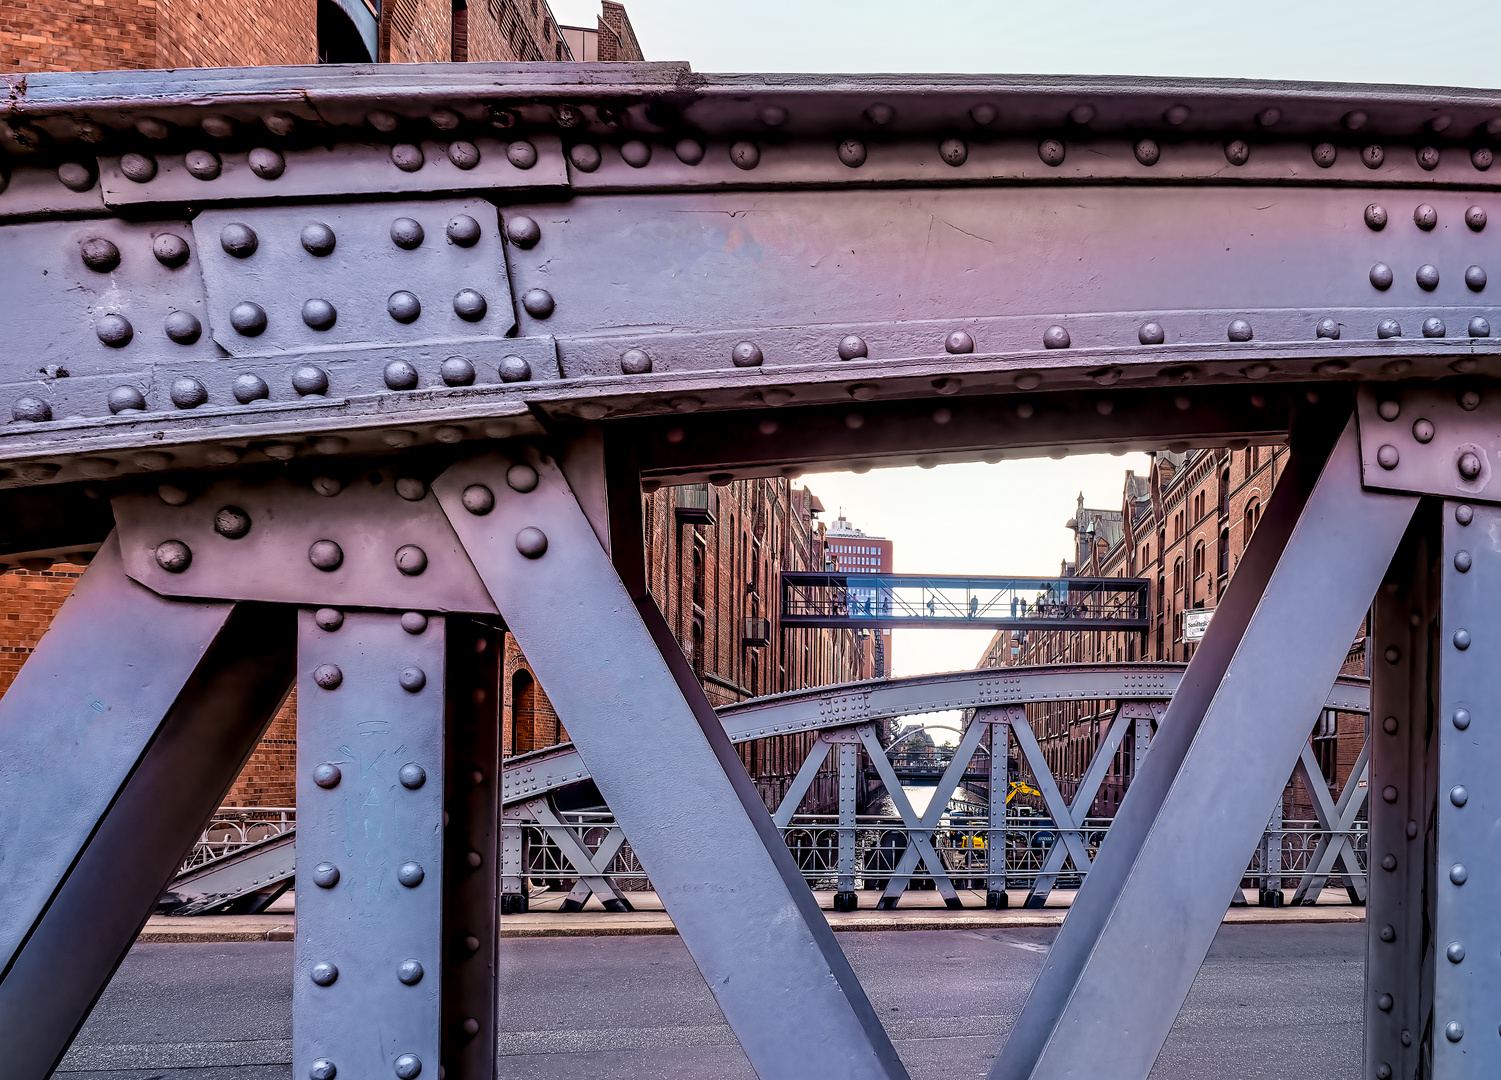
102, 256
409, 874
240, 240
1424, 217
1427, 277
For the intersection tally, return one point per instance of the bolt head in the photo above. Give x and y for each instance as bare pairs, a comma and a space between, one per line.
248, 318
1051, 152
538, 303
138, 168
1422, 430
1461, 639
1239, 330
323, 1069
1454, 1031
328, 676
173, 556
457, 371
1237, 152
1428, 158
851, 152
325, 973
1389, 725
521, 154
521, 477
1458, 874
203, 164
319, 314
1462, 561
412, 776
325, 555
1151, 333
1388, 328
745, 154
329, 619
1387, 457
1384, 1071
77, 175
412, 679
413, 622
31, 410
400, 375
471, 1026
403, 306
1389, 863
182, 327
407, 233
114, 330
531, 542
1372, 156
1148, 152
1461, 718
1055, 337
1324, 154
478, 499
689, 151
1469, 465
327, 775
410, 874
1388, 933
266, 163
411, 560
1425, 217
409, 972
100, 255
523, 231
1381, 276
1427, 277
635, 362
188, 393
409, 1066
1459, 795
239, 240
410, 488
1385, 1003
585, 158
407, 157
1375, 217
464, 154
959, 342
463, 231
746, 354
318, 239
514, 369
469, 305
851, 347
636, 153
1475, 216
1389, 793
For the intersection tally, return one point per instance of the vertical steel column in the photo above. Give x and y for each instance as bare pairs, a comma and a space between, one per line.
662, 761
1134, 980
471, 864
1404, 769
1466, 896
368, 974
513, 858
845, 898
118, 740
995, 815
1271, 859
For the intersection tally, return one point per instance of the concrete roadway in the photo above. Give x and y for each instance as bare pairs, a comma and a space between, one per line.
1270, 1002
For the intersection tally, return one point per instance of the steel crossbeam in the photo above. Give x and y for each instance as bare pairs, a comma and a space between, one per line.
590, 865
1339, 819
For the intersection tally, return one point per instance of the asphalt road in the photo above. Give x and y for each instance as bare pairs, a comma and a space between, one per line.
1271, 1002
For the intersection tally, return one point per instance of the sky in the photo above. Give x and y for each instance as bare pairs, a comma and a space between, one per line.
1008, 518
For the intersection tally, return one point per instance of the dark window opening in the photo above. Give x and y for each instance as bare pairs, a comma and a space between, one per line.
338, 40
459, 30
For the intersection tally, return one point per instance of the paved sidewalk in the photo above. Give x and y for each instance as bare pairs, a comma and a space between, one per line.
922, 910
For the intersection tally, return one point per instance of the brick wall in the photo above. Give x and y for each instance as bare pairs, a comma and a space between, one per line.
416, 31
235, 33
28, 601
77, 35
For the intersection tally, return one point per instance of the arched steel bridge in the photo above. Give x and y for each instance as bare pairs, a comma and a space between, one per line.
337, 371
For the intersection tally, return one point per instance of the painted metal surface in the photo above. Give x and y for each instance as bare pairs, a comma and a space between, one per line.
243, 872
766, 951
368, 970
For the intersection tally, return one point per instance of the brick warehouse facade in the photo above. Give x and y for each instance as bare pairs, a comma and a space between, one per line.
1183, 527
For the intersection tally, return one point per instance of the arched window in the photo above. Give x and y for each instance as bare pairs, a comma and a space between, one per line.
1178, 574
1224, 555
1199, 560
1224, 503
1248, 523
523, 712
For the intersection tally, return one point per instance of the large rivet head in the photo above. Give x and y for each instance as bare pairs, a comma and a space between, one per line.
1427, 277
1389, 862
248, 318
1055, 337
182, 327
1389, 725
1381, 276
469, 305
1389, 409
463, 231
531, 542
1422, 430
457, 371
745, 154
409, 1066
100, 255
1375, 217
1461, 719
322, 1069
1475, 278
319, 314
689, 151
410, 488
521, 154
1469, 465
1461, 639
309, 380
412, 679
1051, 152
31, 410
410, 874
411, 560
1462, 561
478, 499
1428, 158
1372, 156
1324, 154
76, 175
326, 874
1388, 328
1454, 1031
585, 157
266, 163
851, 347
407, 157
409, 972
852, 152
173, 556
125, 399
514, 369
328, 619
239, 240
318, 239
636, 153
1327, 329
407, 233
1387, 456
1458, 874
521, 477
1148, 152
328, 676
1459, 795
327, 775
1237, 152
138, 168
1433, 327
523, 231
959, 342
635, 362
325, 973
1387, 933
1240, 330
403, 306
413, 622
1469, 400
1384, 1002
412, 776
400, 375
538, 303
1389, 793
187, 392
953, 151
746, 354
1475, 218
464, 154
202, 164
1151, 333
325, 555
1383, 1071
1455, 952
1425, 217
1482, 157
114, 330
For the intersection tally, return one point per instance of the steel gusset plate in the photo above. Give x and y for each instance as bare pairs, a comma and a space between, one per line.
353, 274
377, 539
1440, 440
347, 168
